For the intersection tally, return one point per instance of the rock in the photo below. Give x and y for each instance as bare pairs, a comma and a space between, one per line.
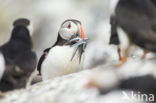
66, 89
72, 88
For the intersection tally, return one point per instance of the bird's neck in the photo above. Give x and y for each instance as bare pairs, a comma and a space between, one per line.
20, 36
22, 42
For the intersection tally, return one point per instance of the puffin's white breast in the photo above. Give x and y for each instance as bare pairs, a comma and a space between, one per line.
58, 62
2, 65
124, 40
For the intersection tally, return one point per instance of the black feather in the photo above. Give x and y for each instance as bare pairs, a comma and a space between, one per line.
45, 53
138, 19
145, 84
19, 58
60, 41
114, 39
21, 21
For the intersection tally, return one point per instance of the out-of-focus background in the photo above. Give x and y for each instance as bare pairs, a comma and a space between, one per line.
47, 16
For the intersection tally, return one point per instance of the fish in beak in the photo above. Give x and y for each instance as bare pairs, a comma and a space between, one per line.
80, 41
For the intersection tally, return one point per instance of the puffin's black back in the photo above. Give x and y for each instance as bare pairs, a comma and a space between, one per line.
138, 19
114, 38
154, 2
144, 84
20, 43
18, 53
60, 41
22, 22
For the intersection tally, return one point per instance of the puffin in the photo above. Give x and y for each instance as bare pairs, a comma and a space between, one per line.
64, 57
17, 55
114, 38
145, 84
2, 65
135, 23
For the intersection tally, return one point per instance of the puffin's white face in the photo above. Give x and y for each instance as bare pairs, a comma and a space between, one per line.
68, 29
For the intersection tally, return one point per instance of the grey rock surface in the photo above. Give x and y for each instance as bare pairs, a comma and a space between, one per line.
66, 89
72, 88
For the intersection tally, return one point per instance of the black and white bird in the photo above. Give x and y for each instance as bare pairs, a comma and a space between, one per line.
20, 60
142, 87
143, 84
114, 38
2, 65
64, 56
136, 24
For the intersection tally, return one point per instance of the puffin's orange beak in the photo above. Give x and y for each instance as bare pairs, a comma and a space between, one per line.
82, 35
78, 37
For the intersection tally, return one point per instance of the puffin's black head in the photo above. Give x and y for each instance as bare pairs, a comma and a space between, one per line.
71, 29
73, 20
20, 31
72, 32
21, 21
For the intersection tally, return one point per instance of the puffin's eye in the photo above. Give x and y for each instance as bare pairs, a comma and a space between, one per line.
69, 25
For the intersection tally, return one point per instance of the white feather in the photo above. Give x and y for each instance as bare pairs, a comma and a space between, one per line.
2, 65
113, 4
58, 62
124, 40
31, 29
65, 32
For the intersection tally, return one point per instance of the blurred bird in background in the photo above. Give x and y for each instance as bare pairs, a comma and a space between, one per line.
114, 38
2, 65
64, 56
145, 84
134, 21
20, 60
